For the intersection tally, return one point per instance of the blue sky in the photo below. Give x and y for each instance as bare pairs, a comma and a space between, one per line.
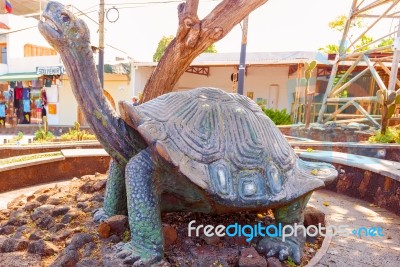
279, 25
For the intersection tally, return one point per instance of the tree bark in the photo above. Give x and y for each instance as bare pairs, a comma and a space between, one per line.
192, 38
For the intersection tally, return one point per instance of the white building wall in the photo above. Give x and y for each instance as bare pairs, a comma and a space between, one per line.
139, 78
116, 85
119, 90
22, 31
29, 64
258, 80
68, 107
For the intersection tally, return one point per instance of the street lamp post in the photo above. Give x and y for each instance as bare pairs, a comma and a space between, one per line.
242, 64
101, 44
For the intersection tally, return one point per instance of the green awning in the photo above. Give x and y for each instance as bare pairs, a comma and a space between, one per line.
22, 76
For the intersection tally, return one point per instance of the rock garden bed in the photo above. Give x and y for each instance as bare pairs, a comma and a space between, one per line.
54, 227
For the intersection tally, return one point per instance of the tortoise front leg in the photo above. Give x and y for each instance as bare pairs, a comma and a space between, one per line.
292, 245
143, 195
115, 195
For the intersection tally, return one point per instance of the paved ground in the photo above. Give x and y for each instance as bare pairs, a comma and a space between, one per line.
340, 250
25, 139
355, 250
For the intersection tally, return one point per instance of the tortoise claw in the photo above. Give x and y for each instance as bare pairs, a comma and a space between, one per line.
271, 246
136, 257
99, 215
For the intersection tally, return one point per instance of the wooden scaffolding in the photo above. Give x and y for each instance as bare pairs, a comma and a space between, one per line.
379, 61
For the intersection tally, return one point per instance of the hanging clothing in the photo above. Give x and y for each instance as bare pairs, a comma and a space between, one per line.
27, 118
2, 110
6, 95
44, 113
48, 82
26, 105
37, 84
26, 93
38, 103
44, 96
18, 92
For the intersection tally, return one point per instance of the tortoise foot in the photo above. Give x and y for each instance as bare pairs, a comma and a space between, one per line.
99, 215
275, 247
136, 256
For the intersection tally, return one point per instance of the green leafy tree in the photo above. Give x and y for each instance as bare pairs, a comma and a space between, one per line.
166, 40
162, 45
338, 25
386, 42
365, 40
330, 49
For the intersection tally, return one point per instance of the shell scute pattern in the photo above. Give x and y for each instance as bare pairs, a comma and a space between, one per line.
197, 131
224, 143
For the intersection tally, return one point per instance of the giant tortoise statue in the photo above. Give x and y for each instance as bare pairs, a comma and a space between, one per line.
214, 152
203, 150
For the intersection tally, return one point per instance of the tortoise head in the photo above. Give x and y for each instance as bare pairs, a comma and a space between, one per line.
62, 29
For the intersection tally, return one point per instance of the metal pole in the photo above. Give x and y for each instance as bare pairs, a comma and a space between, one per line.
242, 64
341, 52
392, 80
101, 44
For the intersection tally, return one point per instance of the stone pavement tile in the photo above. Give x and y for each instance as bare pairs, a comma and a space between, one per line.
363, 245
353, 250
336, 261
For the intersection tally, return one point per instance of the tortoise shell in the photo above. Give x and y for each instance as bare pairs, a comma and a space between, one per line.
224, 143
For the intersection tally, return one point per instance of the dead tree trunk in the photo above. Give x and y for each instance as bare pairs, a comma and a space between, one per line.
192, 38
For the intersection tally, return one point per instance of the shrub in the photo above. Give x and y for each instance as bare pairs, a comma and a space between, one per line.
42, 135
392, 135
17, 138
76, 134
279, 117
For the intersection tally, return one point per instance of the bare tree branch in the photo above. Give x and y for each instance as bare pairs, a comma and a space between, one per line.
192, 38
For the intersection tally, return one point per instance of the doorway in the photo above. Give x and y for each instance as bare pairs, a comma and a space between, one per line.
273, 96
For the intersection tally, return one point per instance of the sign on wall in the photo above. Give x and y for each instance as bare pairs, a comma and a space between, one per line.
50, 70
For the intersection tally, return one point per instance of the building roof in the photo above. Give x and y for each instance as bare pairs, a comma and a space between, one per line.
253, 58
4, 26
26, 7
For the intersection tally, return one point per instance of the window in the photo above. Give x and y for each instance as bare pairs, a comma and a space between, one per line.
31, 50
3, 54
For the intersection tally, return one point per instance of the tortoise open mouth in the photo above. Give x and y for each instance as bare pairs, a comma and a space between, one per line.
48, 23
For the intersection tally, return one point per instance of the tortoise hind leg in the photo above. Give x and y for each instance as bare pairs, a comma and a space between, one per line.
115, 195
290, 246
143, 198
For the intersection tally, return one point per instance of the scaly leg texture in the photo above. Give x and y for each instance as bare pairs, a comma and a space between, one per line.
146, 245
293, 245
115, 195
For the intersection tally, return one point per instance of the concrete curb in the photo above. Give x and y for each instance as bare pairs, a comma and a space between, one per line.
386, 168
31, 162
71, 163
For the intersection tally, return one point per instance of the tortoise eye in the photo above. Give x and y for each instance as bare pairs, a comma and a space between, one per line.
65, 18
274, 178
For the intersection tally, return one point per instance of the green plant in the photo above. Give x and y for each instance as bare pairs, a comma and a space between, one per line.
126, 236
20, 135
77, 134
279, 117
290, 262
17, 138
392, 135
42, 135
